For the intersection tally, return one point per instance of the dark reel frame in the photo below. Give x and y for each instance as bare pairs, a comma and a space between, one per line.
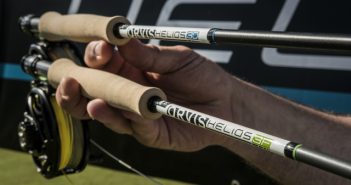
38, 132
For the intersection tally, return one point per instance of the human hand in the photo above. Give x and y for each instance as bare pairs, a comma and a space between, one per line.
187, 79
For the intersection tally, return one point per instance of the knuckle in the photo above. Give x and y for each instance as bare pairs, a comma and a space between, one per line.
183, 48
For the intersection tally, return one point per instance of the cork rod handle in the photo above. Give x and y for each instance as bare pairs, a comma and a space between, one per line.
80, 27
115, 90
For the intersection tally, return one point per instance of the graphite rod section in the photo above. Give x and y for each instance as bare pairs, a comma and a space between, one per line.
311, 41
259, 139
330, 42
323, 161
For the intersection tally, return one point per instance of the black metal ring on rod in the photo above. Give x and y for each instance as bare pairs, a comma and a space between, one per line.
328, 42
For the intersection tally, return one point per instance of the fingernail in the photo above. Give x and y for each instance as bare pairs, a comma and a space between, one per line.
91, 116
63, 93
97, 49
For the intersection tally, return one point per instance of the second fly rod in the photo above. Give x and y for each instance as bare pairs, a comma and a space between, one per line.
117, 30
150, 103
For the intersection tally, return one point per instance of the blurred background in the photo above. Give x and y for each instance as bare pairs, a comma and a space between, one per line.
319, 80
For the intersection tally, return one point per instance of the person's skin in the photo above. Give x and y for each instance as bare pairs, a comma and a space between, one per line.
195, 82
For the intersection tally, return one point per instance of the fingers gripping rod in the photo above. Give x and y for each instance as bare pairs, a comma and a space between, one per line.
149, 102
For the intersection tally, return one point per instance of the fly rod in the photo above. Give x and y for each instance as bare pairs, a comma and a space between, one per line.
117, 30
150, 103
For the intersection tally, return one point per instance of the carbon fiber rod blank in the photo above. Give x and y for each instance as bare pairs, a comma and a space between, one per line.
308, 41
330, 42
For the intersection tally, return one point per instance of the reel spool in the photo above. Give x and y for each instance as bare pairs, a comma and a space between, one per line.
57, 142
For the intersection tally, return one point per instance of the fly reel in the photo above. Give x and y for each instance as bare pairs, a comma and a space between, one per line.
57, 142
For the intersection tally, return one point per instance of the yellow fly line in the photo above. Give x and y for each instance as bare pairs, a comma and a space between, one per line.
64, 123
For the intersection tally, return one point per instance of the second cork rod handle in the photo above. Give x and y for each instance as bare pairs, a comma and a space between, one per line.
115, 90
81, 27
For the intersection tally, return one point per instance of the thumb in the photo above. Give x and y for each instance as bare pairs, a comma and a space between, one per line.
158, 59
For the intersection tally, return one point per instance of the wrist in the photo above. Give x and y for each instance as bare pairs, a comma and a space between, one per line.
241, 102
